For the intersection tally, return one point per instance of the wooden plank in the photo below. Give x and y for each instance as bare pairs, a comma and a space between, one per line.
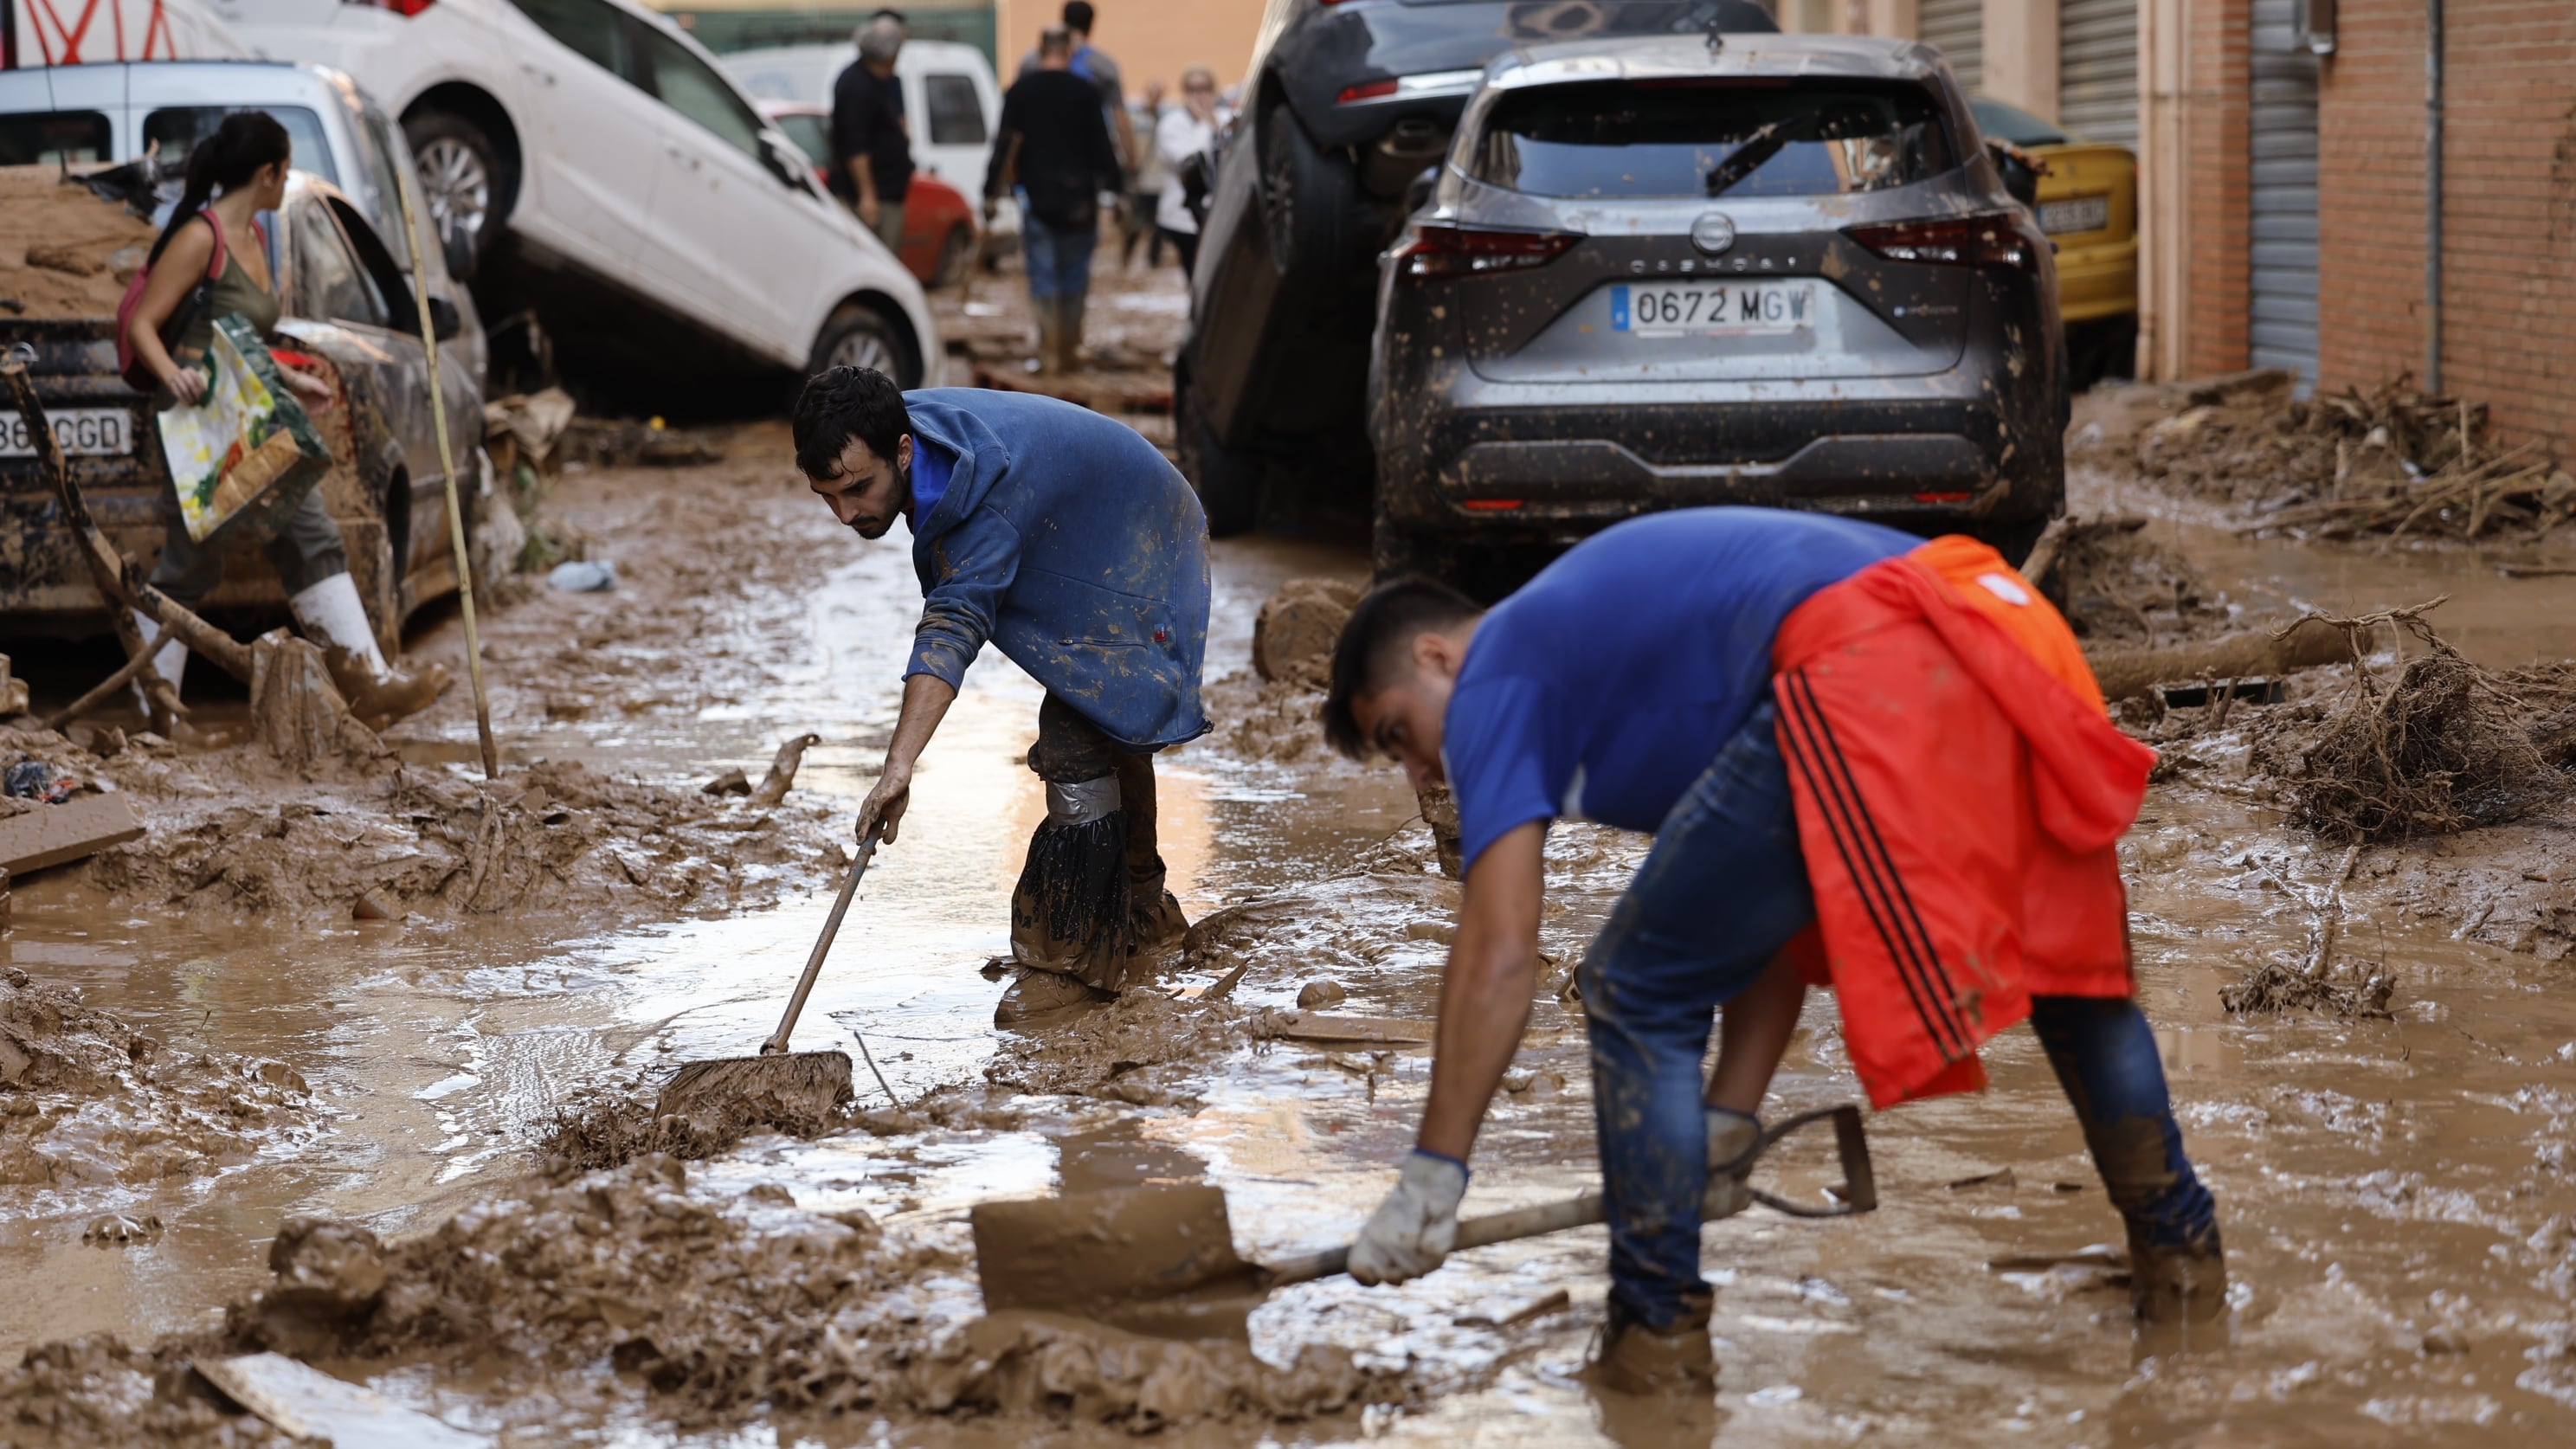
310, 1404
1316, 1026
72, 829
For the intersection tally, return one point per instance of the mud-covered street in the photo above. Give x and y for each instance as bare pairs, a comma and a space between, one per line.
402, 1141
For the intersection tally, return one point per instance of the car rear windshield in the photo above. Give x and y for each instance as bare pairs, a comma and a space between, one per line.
50, 138
180, 128
1715, 138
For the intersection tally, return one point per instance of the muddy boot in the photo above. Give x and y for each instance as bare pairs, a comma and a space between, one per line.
1635, 1359
1050, 335
331, 615
1037, 995
2184, 1284
1073, 305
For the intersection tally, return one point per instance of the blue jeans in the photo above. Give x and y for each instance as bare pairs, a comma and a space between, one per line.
1722, 891
1058, 258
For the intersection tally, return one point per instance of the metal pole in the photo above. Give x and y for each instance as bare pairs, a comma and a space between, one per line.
447, 463
2433, 196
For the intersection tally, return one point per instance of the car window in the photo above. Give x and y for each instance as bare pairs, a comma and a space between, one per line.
392, 285
382, 193
178, 129
811, 133
692, 87
329, 283
1720, 138
2012, 123
50, 138
595, 30
956, 111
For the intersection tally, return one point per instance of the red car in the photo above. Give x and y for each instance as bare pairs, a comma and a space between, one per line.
939, 225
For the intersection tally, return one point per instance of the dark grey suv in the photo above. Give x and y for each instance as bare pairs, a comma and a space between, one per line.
1774, 269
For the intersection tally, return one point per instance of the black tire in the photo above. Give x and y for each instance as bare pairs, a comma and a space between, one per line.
956, 254
1229, 483
861, 337
1318, 224
1395, 551
463, 176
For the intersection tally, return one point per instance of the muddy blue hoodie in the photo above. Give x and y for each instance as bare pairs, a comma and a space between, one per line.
1068, 541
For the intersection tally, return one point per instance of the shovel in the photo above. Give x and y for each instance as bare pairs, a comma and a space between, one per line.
1161, 1259
780, 1085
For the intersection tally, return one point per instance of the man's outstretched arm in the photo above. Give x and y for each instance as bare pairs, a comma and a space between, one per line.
926, 698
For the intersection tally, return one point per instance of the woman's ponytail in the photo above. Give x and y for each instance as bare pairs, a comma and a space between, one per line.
244, 143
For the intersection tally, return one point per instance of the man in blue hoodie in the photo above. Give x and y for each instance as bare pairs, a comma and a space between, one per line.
1066, 540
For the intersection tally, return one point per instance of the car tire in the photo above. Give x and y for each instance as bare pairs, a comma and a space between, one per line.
1229, 483
1317, 223
859, 336
1396, 552
462, 175
956, 254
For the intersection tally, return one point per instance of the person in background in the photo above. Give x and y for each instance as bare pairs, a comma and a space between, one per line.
1053, 150
871, 152
1145, 189
241, 170
1184, 131
1093, 64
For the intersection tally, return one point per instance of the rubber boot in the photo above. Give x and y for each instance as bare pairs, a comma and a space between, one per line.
1040, 994
1636, 1359
170, 661
1073, 305
331, 615
1050, 335
2185, 1284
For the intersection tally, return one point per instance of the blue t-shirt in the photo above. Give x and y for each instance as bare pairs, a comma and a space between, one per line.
1606, 686
931, 467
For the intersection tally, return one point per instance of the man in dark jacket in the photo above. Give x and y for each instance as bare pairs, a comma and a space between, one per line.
871, 152
1054, 147
1067, 541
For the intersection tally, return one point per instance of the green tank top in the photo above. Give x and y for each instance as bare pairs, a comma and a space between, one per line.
234, 292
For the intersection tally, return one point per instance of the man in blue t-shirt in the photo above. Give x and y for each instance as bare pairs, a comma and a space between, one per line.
1630, 684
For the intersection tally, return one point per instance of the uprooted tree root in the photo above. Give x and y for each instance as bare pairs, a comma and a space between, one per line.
2276, 987
2448, 747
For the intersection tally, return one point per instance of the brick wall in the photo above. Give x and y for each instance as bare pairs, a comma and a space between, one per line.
2217, 125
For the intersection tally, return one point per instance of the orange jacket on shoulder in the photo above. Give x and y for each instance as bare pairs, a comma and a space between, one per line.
1960, 793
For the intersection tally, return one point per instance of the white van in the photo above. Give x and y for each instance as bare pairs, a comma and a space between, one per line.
608, 141
950, 100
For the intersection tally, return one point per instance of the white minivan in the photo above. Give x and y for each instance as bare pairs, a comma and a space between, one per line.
950, 100
608, 141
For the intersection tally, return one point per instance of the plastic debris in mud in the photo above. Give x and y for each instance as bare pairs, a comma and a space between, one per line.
583, 576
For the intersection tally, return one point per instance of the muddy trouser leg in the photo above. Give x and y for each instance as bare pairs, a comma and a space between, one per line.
1723, 889
2106, 1059
1070, 913
305, 551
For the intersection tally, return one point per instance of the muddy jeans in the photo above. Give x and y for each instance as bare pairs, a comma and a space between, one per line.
1135, 910
1723, 889
306, 549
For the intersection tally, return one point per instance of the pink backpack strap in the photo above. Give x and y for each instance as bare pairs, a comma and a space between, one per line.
214, 223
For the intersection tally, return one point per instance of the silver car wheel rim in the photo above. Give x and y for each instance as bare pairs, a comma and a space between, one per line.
862, 349
458, 188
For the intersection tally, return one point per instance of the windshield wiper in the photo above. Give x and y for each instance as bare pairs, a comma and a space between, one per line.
1746, 159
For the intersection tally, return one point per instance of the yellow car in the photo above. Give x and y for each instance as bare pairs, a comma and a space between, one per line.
2088, 205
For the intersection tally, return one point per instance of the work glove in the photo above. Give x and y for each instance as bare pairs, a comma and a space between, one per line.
1734, 1140
1412, 1231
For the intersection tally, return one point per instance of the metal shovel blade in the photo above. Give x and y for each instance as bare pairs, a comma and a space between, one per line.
1151, 1259
784, 1088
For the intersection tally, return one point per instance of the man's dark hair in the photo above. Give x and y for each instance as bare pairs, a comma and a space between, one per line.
1377, 639
846, 403
894, 15
1078, 16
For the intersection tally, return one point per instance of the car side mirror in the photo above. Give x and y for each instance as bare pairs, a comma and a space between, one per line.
444, 320
456, 248
2020, 170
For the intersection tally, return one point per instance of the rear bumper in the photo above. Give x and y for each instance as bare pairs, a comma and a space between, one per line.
2098, 281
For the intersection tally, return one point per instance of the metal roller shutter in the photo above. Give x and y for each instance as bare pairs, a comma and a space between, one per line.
2097, 69
2284, 186
1957, 28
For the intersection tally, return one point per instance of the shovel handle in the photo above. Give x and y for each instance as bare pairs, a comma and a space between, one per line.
777, 1045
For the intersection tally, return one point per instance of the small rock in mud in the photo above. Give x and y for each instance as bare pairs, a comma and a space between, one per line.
1440, 931
1294, 634
375, 906
115, 1230
1539, 1085
1317, 995
731, 782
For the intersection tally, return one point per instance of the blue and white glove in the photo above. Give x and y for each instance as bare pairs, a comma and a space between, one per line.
1734, 1140
1412, 1232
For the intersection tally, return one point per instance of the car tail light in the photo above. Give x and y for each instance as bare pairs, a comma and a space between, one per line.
1368, 92
1989, 239
404, 8
1421, 86
1434, 249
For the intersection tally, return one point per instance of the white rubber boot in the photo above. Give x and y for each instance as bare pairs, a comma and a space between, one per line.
170, 661
331, 614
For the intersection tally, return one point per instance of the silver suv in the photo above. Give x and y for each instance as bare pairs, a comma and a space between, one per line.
1659, 272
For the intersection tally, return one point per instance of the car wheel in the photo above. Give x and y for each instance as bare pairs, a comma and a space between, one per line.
461, 177
1317, 223
1395, 551
861, 337
955, 255
1228, 482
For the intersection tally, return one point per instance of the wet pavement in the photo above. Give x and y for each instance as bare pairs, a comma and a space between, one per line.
2397, 1195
